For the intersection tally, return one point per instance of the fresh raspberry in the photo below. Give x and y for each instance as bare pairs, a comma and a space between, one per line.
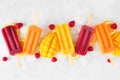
90, 48
108, 60
114, 26
72, 23
18, 25
51, 26
37, 55
54, 59
4, 58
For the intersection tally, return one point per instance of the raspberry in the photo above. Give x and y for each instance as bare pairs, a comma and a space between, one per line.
4, 58
54, 59
90, 48
114, 26
51, 26
72, 23
37, 55
108, 60
18, 25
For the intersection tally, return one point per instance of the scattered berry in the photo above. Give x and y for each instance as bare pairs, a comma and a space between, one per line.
18, 25
114, 26
51, 26
90, 48
4, 58
108, 60
72, 23
37, 55
54, 59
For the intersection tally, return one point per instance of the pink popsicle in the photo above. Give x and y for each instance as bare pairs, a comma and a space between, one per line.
83, 41
11, 39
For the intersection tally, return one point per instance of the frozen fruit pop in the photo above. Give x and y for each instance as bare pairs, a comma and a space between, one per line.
104, 38
32, 39
11, 39
84, 38
65, 39
83, 41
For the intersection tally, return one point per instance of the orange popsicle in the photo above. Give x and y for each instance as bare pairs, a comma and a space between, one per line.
104, 38
65, 39
32, 39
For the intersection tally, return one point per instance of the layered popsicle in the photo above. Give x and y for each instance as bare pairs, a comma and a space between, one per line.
84, 38
11, 39
104, 39
32, 40
65, 39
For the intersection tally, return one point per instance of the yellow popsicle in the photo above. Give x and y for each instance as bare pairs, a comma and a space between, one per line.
65, 39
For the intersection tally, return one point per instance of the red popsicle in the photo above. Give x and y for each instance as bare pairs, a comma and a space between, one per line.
11, 39
84, 38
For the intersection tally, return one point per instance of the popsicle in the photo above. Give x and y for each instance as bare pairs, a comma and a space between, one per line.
104, 39
84, 38
11, 39
32, 39
65, 39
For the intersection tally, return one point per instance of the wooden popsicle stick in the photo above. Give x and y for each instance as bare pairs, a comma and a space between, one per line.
112, 62
90, 19
18, 32
36, 18
18, 60
72, 58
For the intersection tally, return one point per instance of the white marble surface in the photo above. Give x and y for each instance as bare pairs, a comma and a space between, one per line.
91, 67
